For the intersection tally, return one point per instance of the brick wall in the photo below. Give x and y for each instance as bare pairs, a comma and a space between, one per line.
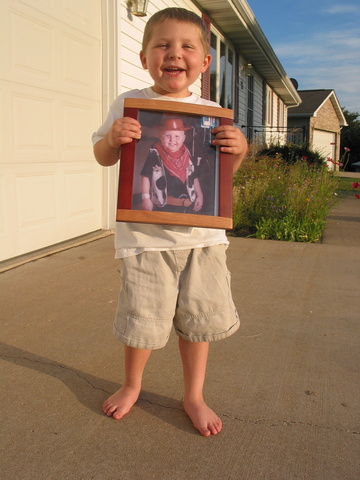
326, 118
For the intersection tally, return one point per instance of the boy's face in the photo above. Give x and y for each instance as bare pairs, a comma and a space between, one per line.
175, 58
172, 139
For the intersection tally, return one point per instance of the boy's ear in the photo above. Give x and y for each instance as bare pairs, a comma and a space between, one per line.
206, 63
143, 60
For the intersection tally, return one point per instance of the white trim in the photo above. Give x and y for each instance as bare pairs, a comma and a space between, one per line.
110, 61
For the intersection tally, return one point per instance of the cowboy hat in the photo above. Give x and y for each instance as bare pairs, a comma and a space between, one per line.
172, 124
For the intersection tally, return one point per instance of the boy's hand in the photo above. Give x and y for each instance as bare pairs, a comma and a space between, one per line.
122, 131
198, 204
230, 139
147, 204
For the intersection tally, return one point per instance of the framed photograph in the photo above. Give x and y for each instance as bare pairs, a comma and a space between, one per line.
174, 175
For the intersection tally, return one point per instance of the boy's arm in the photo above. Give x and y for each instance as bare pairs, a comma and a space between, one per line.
146, 202
199, 201
123, 130
231, 140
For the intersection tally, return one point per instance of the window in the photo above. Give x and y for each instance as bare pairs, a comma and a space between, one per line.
222, 71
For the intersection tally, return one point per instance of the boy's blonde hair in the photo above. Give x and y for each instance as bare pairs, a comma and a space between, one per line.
180, 15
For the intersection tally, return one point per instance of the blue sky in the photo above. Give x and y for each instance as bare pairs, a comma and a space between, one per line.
317, 43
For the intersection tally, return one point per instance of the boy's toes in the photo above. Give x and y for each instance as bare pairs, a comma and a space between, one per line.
216, 427
205, 432
108, 409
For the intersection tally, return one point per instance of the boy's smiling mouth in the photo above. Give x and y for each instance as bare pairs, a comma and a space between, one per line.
174, 71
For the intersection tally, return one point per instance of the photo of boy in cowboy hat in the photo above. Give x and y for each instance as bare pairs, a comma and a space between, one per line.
169, 179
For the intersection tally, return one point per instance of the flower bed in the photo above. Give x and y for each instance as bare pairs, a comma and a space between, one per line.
277, 200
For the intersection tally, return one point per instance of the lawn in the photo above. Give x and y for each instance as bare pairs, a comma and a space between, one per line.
346, 184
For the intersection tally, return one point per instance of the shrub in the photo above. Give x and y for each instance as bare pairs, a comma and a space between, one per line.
277, 200
292, 153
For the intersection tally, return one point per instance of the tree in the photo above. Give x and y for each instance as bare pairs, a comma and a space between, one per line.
350, 138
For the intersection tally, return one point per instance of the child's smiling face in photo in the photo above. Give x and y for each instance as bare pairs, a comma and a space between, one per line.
172, 140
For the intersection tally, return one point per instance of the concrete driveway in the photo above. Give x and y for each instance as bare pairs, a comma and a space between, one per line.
287, 385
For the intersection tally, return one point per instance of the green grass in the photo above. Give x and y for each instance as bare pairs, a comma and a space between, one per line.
345, 184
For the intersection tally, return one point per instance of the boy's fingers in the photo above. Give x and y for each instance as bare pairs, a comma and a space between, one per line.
127, 124
124, 130
125, 133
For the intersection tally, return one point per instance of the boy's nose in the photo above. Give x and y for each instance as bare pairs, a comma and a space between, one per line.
174, 54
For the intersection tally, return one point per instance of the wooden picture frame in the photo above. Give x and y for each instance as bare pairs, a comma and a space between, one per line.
143, 167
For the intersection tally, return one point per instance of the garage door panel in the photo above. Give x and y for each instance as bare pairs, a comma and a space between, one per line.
78, 119
45, 126
46, 204
67, 60
79, 14
33, 125
80, 64
28, 35
30, 124
80, 188
27, 31
35, 199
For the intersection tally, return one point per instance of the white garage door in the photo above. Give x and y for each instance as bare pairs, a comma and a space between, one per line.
324, 143
50, 185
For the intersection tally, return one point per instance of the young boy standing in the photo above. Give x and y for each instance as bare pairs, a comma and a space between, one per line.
154, 297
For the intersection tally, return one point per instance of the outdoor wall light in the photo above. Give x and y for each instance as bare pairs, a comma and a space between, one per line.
139, 8
248, 69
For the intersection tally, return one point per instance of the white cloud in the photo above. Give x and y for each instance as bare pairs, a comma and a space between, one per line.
327, 60
340, 8
327, 45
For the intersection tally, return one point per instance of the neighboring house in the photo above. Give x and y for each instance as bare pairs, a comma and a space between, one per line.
321, 116
63, 63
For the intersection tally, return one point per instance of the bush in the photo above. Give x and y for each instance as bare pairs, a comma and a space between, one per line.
277, 200
292, 153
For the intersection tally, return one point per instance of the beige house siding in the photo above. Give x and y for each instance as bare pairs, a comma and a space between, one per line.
273, 114
242, 92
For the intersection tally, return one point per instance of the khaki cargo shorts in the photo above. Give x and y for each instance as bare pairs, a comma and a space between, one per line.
187, 289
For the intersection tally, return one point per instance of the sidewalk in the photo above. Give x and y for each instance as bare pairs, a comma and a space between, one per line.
286, 385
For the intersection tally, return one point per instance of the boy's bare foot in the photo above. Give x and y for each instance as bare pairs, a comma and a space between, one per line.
203, 418
120, 403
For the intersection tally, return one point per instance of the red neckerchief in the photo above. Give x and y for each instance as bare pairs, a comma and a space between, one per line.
175, 162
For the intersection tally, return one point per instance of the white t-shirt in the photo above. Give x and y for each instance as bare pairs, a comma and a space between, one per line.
135, 238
